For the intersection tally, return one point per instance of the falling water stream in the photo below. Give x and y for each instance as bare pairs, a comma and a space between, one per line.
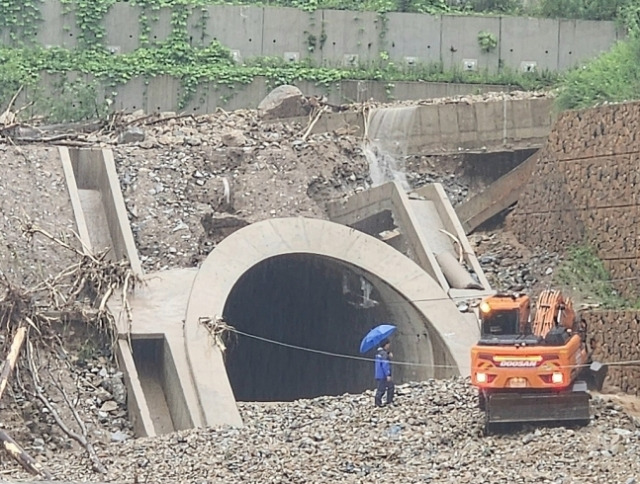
386, 143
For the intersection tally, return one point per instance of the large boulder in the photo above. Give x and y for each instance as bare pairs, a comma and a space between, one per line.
284, 102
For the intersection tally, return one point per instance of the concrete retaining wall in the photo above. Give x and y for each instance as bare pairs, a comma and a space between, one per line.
428, 128
584, 189
336, 37
161, 93
616, 334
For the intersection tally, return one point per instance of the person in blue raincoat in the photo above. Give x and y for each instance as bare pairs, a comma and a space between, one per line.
383, 373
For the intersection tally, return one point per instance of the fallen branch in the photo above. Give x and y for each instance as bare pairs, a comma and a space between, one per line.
21, 457
162, 120
11, 446
80, 438
10, 362
7, 117
313, 123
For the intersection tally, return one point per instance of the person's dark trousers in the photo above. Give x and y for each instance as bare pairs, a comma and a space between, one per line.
384, 386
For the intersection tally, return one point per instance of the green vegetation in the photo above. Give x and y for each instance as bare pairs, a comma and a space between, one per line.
612, 77
582, 9
215, 64
584, 276
487, 41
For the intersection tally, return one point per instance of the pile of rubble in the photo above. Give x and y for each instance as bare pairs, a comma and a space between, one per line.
433, 434
189, 182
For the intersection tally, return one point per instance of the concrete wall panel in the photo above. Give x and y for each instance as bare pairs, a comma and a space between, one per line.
283, 32
60, 28
448, 116
162, 94
122, 27
130, 96
529, 40
411, 35
237, 27
350, 33
230, 98
580, 40
460, 41
467, 124
159, 25
199, 101
197, 27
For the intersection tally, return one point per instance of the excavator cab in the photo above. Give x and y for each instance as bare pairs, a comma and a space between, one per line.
501, 323
532, 366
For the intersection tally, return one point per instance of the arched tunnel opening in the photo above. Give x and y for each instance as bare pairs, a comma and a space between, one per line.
303, 302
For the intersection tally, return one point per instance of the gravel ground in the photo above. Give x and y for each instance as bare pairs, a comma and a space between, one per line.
433, 434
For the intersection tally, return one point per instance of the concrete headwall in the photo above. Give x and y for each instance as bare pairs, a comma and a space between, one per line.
336, 37
617, 339
584, 190
425, 128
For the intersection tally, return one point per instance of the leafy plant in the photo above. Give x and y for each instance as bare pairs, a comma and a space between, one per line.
585, 276
20, 20
487, 41
75, 101
612, 77
89, 15
582, 9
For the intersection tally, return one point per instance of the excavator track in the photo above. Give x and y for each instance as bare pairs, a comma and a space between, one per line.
570, 406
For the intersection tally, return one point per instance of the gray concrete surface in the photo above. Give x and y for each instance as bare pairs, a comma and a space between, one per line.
420, 219
442, 127
450, 334
162, 396
270, 31
497, 197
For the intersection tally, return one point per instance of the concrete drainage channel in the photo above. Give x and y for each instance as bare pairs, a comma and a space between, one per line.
161, 397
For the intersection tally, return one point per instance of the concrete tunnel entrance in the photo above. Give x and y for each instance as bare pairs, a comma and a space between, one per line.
313, 302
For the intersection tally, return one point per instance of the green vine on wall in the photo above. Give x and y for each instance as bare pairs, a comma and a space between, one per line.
89, 20
201, 63
21, 20
487, 41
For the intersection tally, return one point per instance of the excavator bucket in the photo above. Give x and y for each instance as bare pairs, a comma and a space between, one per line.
569, 406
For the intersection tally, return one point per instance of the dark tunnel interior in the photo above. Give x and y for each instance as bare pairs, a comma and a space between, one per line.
307, 301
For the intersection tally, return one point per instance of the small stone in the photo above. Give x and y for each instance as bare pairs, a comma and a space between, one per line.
132, 134
109, 406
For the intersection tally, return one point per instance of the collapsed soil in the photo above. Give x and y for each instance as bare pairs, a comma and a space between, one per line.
189, 184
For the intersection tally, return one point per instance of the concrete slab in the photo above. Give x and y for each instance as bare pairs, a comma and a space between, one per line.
497, 197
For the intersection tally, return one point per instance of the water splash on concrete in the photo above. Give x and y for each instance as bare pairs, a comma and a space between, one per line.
386, 144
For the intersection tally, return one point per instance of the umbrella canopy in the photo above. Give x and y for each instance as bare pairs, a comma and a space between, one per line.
375, 336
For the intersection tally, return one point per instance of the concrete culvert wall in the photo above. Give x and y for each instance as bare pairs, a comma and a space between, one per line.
293, 270
318, 303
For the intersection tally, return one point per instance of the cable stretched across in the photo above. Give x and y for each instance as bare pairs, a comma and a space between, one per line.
398, 363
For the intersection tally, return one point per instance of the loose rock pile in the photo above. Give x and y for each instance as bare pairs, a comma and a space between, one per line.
434, 434
193, 181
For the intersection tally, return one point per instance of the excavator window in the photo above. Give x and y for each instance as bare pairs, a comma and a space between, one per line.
501, 323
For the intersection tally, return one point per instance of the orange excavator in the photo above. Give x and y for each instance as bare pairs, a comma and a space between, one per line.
533, 367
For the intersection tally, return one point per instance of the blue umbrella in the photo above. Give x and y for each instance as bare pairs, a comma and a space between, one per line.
375, 336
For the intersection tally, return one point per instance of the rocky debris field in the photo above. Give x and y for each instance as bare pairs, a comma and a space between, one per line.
96, 391
33, 191
433, 434
190, 182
